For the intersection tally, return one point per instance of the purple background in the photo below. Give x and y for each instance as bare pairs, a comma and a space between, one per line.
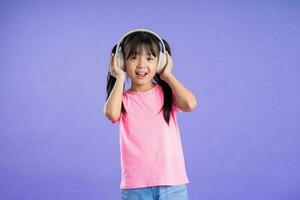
240, 58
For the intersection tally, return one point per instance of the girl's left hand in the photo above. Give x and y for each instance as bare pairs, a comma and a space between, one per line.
168, 68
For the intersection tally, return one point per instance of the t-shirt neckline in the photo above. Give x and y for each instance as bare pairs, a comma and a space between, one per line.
144, 92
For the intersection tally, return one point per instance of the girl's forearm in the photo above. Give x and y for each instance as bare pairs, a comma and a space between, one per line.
112, 107
184, 98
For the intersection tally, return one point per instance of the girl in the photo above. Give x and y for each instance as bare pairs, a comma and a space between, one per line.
152, 160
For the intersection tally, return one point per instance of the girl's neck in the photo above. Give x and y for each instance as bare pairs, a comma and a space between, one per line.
141, 88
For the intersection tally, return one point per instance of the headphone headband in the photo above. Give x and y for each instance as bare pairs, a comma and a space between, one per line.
141, 30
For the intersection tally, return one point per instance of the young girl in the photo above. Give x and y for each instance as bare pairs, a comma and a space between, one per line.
152, 160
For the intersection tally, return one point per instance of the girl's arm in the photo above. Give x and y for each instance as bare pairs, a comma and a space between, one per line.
112, 107
184, 98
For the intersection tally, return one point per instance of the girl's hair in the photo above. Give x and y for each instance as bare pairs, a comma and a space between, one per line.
131, 45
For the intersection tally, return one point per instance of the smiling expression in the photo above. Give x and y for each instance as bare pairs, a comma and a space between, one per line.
141, 66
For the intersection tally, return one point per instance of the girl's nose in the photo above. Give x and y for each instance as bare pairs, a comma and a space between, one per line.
142, 62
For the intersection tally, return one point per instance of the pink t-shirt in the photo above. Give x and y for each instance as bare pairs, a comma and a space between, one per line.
151, 151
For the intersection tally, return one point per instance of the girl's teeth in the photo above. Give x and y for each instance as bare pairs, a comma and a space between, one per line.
141, 74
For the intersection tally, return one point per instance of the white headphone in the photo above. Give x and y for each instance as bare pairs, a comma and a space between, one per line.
162, 59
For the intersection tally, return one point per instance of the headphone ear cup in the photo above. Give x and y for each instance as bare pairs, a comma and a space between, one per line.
120, 60
161, 62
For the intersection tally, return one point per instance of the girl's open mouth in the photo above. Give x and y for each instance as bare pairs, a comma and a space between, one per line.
141, 75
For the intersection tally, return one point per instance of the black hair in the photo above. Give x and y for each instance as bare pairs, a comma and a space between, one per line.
131, 45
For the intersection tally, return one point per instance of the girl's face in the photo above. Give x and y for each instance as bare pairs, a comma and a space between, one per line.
141, 68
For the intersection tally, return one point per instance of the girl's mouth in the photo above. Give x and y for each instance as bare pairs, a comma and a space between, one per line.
141, 75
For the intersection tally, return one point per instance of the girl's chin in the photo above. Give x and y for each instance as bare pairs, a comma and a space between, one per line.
142, 81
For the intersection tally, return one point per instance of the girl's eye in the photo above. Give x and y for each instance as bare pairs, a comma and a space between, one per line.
134, 57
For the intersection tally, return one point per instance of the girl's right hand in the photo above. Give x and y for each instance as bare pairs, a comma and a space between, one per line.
114, 69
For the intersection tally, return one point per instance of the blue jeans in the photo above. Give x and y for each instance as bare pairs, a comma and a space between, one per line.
175, 192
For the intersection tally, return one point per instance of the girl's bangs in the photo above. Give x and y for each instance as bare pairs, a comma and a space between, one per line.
137, 44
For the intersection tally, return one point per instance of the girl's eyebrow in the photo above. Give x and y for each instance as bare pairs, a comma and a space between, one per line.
149, 54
